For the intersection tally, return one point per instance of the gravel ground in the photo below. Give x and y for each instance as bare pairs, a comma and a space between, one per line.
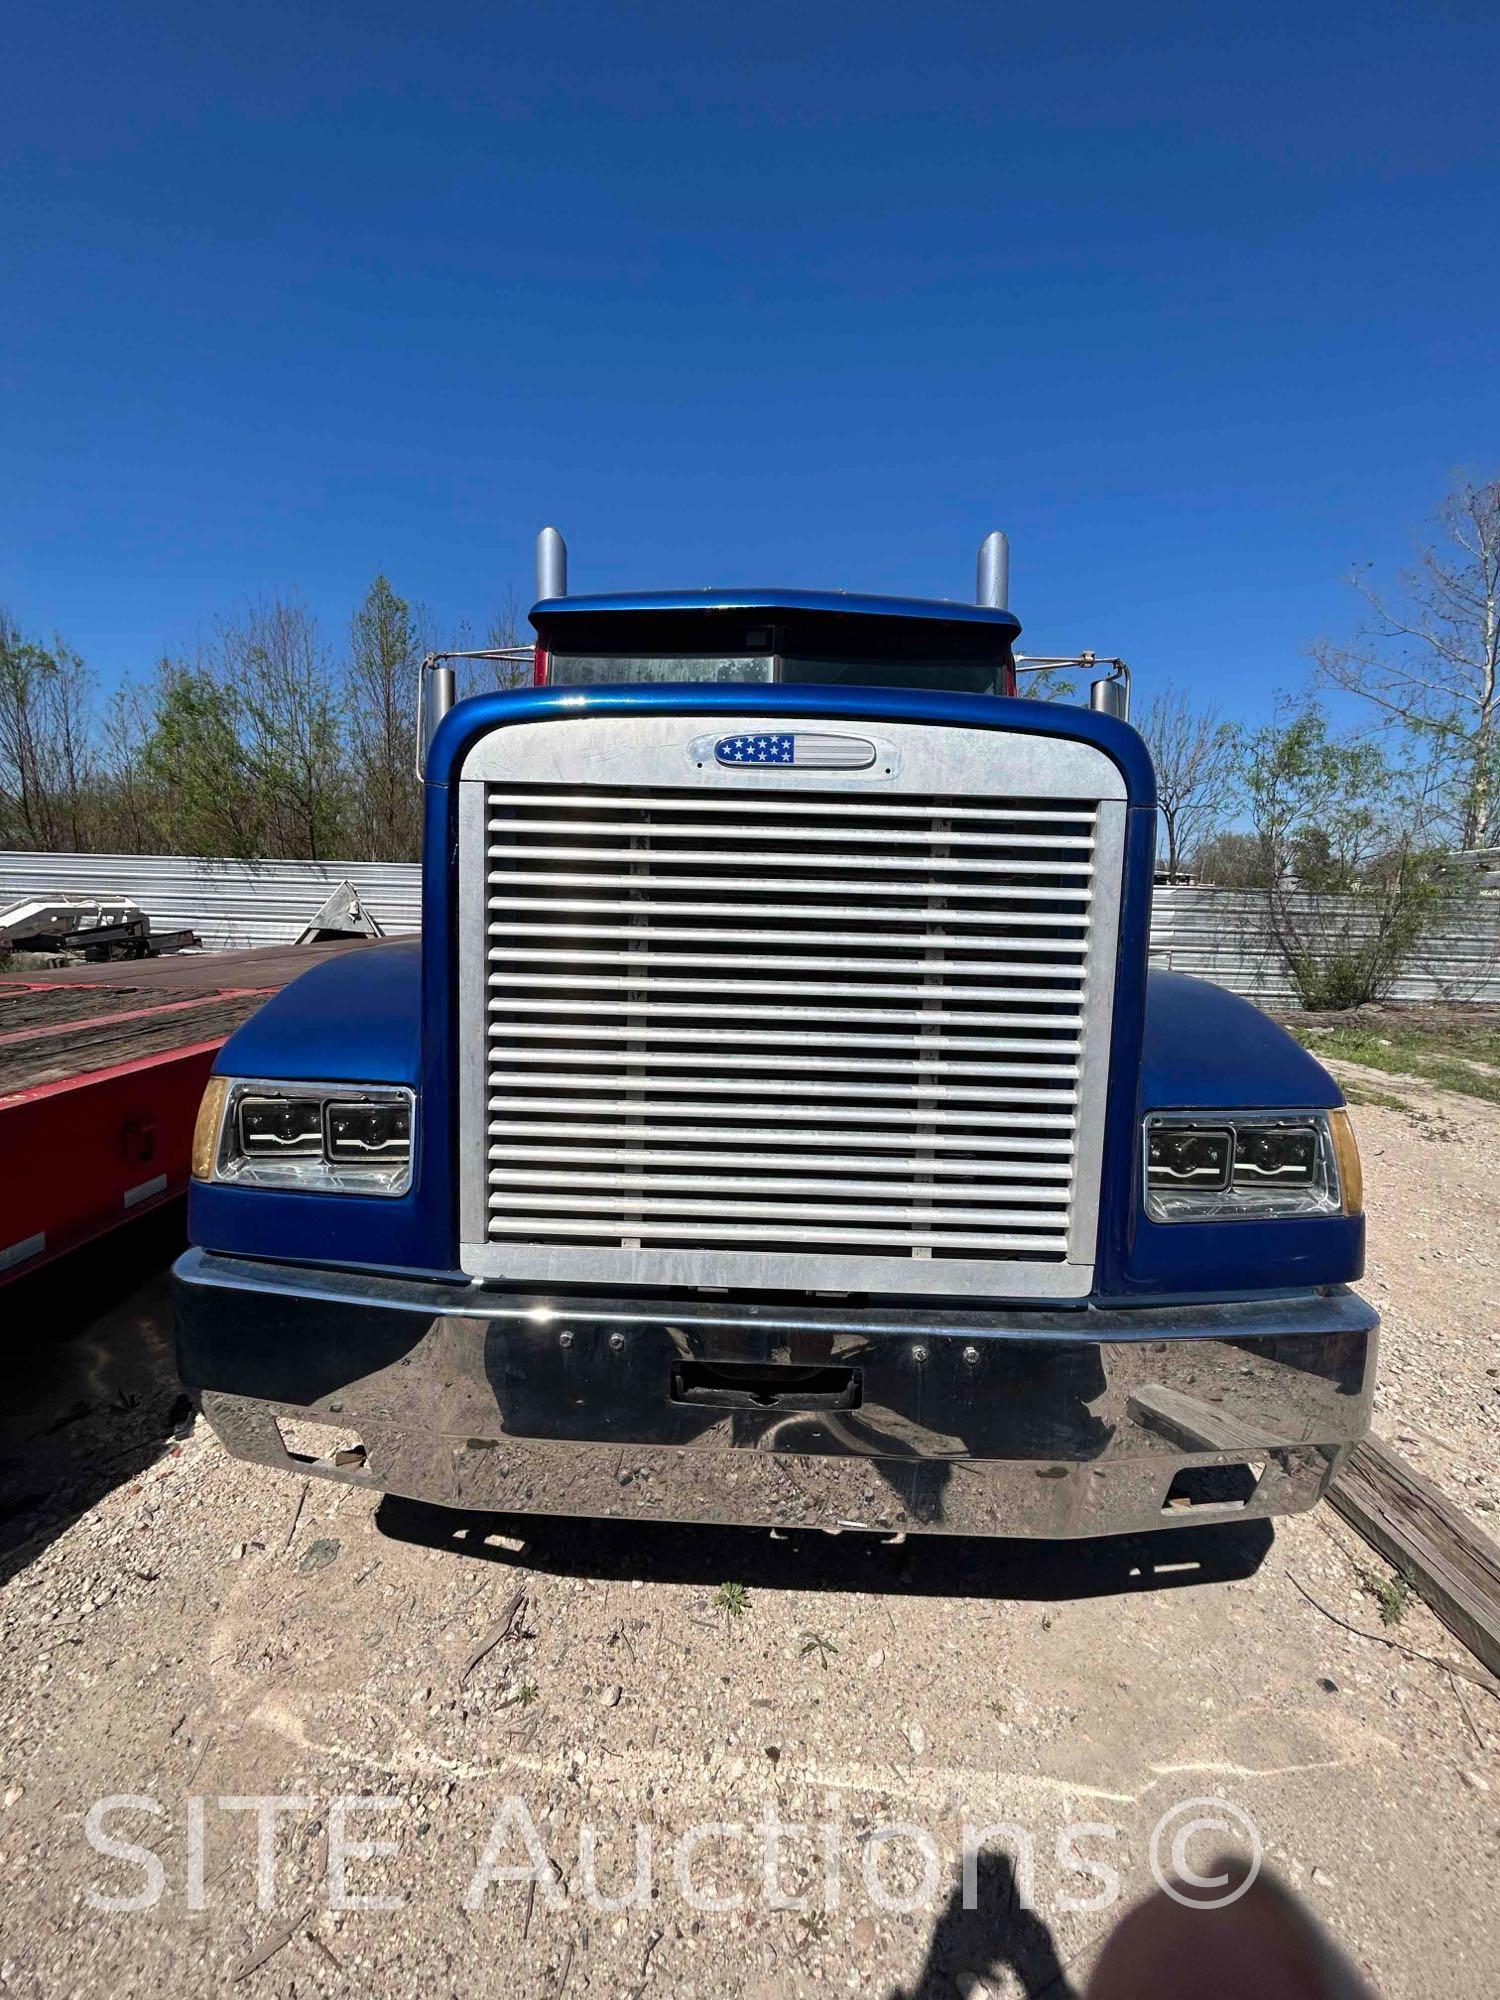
1432, 1178
179, 1627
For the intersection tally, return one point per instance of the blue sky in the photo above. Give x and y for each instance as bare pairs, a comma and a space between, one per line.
1199, 305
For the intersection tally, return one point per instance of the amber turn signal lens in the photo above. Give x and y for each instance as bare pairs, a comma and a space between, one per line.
206, 1131
1346, 1152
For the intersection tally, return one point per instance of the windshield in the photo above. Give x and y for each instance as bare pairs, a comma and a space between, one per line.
957, 676
609, 669
954, 676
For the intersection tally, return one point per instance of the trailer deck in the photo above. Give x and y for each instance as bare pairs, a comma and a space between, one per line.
101, 1071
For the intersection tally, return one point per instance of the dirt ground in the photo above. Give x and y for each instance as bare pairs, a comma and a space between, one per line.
1432, 1176
193, 1633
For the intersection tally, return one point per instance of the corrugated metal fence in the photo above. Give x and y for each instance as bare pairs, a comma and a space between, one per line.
230, 904
1220, 934
1216, 933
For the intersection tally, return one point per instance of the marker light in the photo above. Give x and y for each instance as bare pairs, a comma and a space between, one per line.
206, 1130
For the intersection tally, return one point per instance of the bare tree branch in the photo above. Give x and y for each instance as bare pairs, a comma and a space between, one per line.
1450, 612
1196, 755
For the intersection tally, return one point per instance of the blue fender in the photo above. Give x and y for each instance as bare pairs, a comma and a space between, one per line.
351, 1019
1206, 1049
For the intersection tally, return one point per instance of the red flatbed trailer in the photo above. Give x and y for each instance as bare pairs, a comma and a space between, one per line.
101, 1071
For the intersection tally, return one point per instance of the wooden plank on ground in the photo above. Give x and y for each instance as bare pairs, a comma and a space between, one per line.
1453, 1564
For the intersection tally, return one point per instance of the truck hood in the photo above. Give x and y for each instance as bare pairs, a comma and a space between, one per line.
351, 1019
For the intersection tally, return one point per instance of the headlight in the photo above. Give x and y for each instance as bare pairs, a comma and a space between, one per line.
324, 1138
279, 1128
1250, 1164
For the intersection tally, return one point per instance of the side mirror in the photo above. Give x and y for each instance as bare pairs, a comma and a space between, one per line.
1111, 697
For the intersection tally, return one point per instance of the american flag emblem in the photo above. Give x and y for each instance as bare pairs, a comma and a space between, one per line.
804, 752
756, 750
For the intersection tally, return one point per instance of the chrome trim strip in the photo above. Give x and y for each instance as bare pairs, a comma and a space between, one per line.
1334, 1311
473, 1048
1098, 1021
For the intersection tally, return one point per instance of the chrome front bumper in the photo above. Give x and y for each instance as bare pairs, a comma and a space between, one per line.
1003, 1422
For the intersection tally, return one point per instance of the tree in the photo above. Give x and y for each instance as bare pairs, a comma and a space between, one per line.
1230, 861
1428, 662
1197, 758
505, 633
131, 809
384, 652
195, 769
1350, 889
286, 709
1043, 682
46, 756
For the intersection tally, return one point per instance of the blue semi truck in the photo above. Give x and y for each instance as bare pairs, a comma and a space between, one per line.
777, 1121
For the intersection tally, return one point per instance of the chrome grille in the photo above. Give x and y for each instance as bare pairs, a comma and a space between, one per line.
731, 1029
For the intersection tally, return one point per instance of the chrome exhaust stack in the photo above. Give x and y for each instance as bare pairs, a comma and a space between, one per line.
551, 564
994, 571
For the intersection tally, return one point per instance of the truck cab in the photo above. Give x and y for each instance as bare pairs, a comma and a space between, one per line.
764, 638
777, 1121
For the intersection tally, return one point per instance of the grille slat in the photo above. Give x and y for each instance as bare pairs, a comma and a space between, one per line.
850, 811
756, 1135
900, 1240
803, 911
932, 1066
855, 1112
679, 1011
1019, 1188
743, 934
928, 896
574, 1033
679, 963
850, 1098
735, 1209
999, 869
661, 829
624, 987
771, 1022
623, 983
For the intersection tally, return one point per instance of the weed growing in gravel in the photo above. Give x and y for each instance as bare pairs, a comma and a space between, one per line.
1391, 1593
732, 1599
821, 1649
814, 1928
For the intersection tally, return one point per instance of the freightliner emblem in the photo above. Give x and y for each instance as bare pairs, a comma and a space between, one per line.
802, 752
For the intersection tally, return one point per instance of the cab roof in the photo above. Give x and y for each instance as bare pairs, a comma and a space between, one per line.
698, 616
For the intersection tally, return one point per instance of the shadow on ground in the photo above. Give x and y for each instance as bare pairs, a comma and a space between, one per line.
972, 1943
923, 1566
92, 1396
